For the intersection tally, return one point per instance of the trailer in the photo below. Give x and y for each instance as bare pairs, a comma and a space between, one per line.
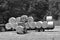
38, 26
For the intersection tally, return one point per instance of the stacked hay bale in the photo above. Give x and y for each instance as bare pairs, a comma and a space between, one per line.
39, 24
12, 20
31, 22
44, 25
27, 25
18, 19
21, 28
49, 18
8, 26
50, 24
50, 21
24, 18
32, 25
11, 23
30, 19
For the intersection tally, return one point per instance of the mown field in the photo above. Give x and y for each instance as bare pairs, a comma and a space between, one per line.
33, 35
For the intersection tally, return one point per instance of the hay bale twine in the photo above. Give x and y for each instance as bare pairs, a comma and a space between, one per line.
44, 25
50, 24
30, 19
38, 24
18, 19
49, 18
32, 25
12, 20
8, 26
19, 29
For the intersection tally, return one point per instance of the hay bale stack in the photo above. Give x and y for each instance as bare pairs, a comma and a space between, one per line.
18, 19
8, 26
49, 18
21, 24
12, 20
32, 25
27, 25
38, 24
44, 25
20, 29
24, 18
50, 24
14, 25
30, 19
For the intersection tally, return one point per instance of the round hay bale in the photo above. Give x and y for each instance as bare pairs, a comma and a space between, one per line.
32, 25
27, 25
50, 24
44, 25
24, 18
14, 25
30, 19
8, 26
21, 24
49, 18
18, 19
19, 29
41, 22
12, 20
38, 24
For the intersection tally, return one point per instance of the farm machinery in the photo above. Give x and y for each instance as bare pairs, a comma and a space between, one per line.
24, 23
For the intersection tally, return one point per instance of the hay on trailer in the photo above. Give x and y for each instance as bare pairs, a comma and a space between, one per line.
49, 18
32, 25
27, 26
14, 25
44, 24
19, 29
8, 26
12, 20
30, 19
18, 19
38, 24
24, 18
50, 24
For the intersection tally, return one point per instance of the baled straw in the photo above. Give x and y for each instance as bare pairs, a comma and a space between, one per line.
19, 29
18, 19
32, 25
44, 25
50, 24
30, 19
8, 26
12, 20
38, 24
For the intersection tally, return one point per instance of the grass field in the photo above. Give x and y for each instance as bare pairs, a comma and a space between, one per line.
51, 35
32, 35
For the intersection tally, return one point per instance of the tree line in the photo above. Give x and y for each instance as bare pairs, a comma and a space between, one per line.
36, 8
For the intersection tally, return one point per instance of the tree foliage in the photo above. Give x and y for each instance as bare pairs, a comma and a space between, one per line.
17, 8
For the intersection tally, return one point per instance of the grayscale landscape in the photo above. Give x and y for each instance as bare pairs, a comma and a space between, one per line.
33, 35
